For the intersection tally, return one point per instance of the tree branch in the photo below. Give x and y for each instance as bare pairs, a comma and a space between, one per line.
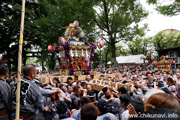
100, 26
116, 12
110, 5
100, 17
106, 15
106, 40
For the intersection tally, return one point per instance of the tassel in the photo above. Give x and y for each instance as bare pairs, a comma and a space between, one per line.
82, 53
76, 54
72, 55
87, 54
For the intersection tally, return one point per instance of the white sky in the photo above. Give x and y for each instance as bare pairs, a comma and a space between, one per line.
157, 22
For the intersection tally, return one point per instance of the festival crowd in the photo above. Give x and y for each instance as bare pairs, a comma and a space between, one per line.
154, 94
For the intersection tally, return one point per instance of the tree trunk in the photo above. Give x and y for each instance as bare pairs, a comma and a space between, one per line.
42, 61
107, 55
113, 50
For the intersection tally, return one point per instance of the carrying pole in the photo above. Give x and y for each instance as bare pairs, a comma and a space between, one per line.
20, 61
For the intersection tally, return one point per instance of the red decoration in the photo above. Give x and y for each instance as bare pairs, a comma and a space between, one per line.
50, 48
62, 40
101, 43
154, 62
76, 24
173, 61
166, 57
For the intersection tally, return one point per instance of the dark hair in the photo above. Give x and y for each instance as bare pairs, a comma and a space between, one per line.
57, 79
92, 95
147, 73
28, 69
102, 76
62, 109
138, 104
144, 90
105, 89
76, 88
150, 84
89, 112
69, 78
160, 84
122, 90
166, 90
136, 86
3, 70
102, 104
124, 82
170, 80
83, 84
125, 98
84, 100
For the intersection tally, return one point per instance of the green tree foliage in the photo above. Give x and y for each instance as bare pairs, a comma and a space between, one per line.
171, 9
59, 14
107, 54
10, 15
117, 20
135, 47
104, 54
140, 46
121, 50
165, 40
44, 22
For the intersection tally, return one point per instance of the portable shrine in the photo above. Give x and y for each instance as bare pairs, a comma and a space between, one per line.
75, 52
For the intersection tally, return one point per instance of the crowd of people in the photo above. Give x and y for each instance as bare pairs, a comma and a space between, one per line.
154, 94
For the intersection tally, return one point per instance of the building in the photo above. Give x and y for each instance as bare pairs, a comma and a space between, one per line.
173, 54
129, 60
171, 51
